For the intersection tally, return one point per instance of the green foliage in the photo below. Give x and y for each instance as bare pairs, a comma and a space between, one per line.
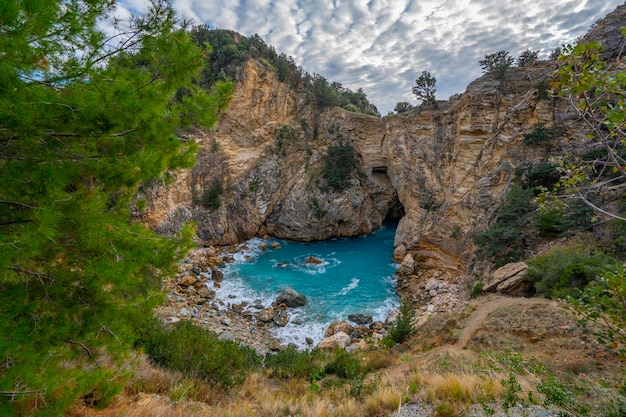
80, 131
403, 107
338, 165
512, 229
543, 88
527, 56
540, 174
497, 63
425, 87
291, 363
477, 290
595, 89
210, 197
199, 354
403, 329
284, 137
229, 51
345, 365
603, 302
541, 135
512, 388
562, 273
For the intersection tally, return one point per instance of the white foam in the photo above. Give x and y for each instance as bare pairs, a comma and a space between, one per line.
353, 284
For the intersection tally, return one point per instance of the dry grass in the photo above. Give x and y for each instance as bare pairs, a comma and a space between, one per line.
447, 378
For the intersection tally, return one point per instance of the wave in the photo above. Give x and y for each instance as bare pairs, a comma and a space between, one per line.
353, 284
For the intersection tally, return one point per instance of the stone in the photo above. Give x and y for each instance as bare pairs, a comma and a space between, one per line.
225, 321
506, 272
262, 246
360, 318
228, 259
407, 267
516, 286
275, 245
309, 341
204, 292
399, 253
217, 275
266, 315
280, 317
291, 298
338, 340
339, 326
312, 260
188, 281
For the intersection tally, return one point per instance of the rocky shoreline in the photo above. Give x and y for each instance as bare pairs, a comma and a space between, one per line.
191, 296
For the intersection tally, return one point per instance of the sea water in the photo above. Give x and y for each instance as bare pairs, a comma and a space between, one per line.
355, 276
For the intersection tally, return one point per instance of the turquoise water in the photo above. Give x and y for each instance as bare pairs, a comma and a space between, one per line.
356, 276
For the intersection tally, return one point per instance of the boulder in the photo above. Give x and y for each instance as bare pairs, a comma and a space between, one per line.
360, 318
188, 281
275, 245
312, 260
509, 271
338, 340
217, 275
262, 246
407, 267
204, 292
291, 298
399, 253
339, 326
516, 286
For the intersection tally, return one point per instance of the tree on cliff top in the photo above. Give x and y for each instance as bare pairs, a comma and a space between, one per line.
85, 119
497, 63
425, 87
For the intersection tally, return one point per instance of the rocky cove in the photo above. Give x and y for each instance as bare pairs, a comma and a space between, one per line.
199, 293
441, 172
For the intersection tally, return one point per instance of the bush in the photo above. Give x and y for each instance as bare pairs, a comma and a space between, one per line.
477, 290
511, 231
403, 329
197, 353
562, 273
211, 196
540, 134
291, 363
339, 163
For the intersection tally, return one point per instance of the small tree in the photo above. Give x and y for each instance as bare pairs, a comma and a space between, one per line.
425, 87
526, 57
596, 91
497, 63
402, 107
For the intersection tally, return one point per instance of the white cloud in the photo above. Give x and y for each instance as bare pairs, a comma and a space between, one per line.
383, 45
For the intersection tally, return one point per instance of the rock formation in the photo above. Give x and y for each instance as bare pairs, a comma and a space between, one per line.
442, 172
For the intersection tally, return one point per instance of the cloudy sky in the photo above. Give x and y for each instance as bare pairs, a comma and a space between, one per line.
382, 46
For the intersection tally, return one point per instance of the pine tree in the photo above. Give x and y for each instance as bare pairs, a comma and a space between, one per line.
84, 120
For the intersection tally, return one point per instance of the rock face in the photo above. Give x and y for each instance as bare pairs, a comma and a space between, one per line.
443, 172
291, 298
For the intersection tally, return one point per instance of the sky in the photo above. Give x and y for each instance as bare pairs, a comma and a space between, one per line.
382, 46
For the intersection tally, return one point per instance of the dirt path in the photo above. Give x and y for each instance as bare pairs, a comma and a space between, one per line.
479, 315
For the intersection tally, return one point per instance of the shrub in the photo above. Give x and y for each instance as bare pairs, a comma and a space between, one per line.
509, 234
477, 290
291, 363
540, 134
403, 329
345, 365
339, 163
211, 196
197, 353
561, 272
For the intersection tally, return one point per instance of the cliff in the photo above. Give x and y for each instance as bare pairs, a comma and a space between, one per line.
442, 172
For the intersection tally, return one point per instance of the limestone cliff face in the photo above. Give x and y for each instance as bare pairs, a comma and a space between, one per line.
443, 172
265, 155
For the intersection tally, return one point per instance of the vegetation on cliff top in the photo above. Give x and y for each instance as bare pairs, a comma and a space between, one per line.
231, 50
